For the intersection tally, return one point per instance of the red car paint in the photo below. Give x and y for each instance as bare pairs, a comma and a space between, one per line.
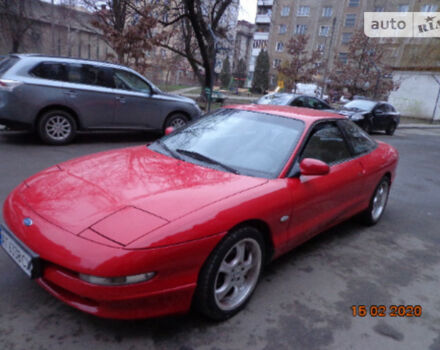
132, 211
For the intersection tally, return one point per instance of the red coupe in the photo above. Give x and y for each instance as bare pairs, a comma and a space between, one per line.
191, 219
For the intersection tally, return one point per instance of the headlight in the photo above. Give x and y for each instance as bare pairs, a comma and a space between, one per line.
117, 281
357, 116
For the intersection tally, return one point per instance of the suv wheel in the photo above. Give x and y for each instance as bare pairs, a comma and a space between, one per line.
176, 120
57, 127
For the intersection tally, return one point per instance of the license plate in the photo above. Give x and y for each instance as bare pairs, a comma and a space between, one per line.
25, 258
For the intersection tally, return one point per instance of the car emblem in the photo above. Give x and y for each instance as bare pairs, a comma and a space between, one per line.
27, 222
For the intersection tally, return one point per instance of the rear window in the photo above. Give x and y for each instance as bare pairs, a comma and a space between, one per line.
50, 70
7, 63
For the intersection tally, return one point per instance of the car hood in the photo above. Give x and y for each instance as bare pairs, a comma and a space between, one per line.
175, 97
136, 185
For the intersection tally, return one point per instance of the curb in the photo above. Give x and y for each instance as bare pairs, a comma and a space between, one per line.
419, 126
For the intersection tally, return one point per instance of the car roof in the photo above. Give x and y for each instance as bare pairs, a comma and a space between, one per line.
307, 115
67, 59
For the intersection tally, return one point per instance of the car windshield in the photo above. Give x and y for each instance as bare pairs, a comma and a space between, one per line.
360, 105
275, 99
243, 142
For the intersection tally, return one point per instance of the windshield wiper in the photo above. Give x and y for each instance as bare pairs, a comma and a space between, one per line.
169, 150
202, 157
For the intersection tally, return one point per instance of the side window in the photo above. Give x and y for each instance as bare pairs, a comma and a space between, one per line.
380, 108
299, 102
50, 70
75, 73
128, 81
360, 141
326, 143
314, 103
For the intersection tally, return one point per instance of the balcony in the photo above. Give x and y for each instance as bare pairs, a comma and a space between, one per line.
265, 2
261, 36
263, 18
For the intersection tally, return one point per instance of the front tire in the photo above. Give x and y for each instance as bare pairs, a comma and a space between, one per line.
230, 274
56, 127
391, 129
378, 202
176, 120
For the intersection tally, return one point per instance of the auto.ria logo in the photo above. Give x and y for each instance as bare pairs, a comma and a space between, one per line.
402, 24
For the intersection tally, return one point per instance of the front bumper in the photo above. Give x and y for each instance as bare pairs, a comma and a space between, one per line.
65, 255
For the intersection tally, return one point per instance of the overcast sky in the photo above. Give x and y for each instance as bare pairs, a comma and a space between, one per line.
248, 10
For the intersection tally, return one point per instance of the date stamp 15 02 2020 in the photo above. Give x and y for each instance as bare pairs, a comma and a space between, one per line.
384, 311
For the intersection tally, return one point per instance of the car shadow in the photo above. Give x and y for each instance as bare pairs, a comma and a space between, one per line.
29, 138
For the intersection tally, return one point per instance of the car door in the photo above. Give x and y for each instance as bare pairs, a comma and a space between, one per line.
380, 117
136, 105
89, 91
321, 201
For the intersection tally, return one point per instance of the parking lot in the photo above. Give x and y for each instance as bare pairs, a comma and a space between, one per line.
305, 298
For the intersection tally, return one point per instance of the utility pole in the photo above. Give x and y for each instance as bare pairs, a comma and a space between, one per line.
52, 27
324, 87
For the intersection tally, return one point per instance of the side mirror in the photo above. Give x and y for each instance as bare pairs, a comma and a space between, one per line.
169, 130
310, 166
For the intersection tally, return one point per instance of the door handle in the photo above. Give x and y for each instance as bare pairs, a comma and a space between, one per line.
121, 99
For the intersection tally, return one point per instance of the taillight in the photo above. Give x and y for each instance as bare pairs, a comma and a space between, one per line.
9, 85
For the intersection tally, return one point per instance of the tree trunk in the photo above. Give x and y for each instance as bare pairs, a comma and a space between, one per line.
15, 45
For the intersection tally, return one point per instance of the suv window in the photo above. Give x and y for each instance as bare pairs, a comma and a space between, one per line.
7, 63
128, 81
357, 138
90, 75
50, 70
326, 143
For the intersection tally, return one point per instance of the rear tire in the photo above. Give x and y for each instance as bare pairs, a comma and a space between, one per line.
378, 202
56, 127
229, 276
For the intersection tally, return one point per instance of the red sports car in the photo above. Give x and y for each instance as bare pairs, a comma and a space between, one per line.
192, 218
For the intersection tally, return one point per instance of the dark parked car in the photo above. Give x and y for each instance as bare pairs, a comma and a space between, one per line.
58, 96
372, 115
286, 99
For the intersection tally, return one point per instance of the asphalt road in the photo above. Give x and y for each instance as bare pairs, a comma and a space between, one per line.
304, 299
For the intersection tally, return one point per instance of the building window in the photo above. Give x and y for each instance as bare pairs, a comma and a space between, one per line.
343, 57
429, 8
303, 11
403, 8
327, 11
379, 9
324, 30
321, 47
283, 29
276, 63
285, 11
280, 46
350, 20
301, 29
346, 37
353, 3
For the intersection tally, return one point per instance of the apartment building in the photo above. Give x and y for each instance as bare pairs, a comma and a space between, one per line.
54, 30
263, 22
278, 21
243, 42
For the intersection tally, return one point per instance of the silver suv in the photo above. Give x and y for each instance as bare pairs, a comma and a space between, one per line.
58, 96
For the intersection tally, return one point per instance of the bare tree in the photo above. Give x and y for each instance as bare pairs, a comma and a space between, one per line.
302, 66
194, 30
364, 71
15, 21
125, 31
